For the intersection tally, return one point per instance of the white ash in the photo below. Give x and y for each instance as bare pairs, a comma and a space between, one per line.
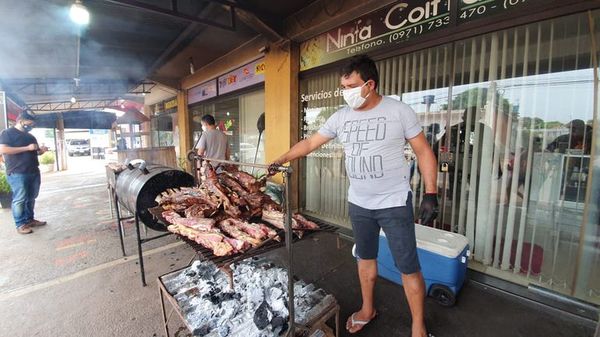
257, 306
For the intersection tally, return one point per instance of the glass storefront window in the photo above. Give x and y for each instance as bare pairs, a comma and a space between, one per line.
237, 117
162, 129
512, 114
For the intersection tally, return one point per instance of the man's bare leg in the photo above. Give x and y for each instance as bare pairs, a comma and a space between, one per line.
367, 274
414, 288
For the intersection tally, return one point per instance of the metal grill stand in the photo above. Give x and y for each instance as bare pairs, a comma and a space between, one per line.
287, 173
140, 241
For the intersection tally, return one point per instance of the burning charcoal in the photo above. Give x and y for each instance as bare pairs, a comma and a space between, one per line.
277, 322
201, 331
263, 316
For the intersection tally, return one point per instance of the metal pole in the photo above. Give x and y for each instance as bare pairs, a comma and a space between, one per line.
288, 245
256, 153
140, 255
119, 220
261, 166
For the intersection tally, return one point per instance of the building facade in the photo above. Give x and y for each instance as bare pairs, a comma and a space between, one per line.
507, 94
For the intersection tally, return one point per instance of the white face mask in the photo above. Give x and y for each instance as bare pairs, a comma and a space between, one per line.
353, 98
203, 128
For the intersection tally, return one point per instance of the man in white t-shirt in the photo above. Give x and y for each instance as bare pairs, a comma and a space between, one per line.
373, 130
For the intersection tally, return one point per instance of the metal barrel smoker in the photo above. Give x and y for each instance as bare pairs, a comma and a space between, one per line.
136, 189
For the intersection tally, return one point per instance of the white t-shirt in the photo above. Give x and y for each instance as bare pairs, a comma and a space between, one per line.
374, 142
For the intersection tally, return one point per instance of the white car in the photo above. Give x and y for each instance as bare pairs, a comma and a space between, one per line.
79, 147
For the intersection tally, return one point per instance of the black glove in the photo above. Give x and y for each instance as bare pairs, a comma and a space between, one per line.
429, 208
273, 169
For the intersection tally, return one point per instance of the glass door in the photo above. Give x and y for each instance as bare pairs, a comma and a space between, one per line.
524, 151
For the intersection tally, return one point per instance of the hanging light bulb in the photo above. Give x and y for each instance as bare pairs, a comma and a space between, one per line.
73, 99
79, 13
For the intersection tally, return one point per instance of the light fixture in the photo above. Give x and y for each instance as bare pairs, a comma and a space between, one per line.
79, 14
143, 94
73, 99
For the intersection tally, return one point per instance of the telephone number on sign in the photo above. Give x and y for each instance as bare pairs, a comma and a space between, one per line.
491, 6
419, 29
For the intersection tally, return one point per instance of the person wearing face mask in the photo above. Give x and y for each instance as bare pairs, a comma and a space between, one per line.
374, 130
213, 142
20, 150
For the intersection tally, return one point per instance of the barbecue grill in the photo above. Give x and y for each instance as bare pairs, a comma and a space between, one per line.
224, 262
136, 189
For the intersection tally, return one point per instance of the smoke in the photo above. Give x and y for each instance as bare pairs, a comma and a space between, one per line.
39, 41
33, 36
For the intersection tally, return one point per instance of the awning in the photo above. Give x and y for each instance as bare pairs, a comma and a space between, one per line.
87, 119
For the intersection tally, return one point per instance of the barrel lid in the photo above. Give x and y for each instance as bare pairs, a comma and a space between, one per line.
438, 241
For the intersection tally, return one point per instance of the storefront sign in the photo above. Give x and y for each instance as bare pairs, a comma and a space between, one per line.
384, 28
171, 104
202, 92
397, 23
469, 10
245, 76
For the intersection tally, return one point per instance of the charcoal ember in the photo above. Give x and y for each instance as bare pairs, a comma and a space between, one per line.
190, 273
277, 322
216, 296
263, 316
201, 331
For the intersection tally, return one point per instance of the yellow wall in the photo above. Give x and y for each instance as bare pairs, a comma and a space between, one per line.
281, 103
238, 57
183, 126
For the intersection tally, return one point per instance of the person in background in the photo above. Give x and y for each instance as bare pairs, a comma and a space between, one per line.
20, 151
213, 142
579, 137
374, 130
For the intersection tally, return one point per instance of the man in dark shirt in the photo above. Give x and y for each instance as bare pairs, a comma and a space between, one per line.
20, 150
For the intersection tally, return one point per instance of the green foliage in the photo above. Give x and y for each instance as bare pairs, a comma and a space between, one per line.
4, 186
554, 125
47, 158
182, 163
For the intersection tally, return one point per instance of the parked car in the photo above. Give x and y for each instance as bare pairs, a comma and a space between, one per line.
80, 147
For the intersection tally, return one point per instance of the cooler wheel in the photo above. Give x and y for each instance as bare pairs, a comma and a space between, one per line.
443, 295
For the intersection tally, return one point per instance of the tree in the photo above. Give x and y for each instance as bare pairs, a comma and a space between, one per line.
553, 125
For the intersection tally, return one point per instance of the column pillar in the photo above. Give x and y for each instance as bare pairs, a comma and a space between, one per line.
281, 105
183, 130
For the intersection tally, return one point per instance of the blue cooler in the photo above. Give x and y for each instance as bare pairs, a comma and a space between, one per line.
443, 257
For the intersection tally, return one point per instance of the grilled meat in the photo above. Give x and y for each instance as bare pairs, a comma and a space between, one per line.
231, 184
239, 246
270, 232
200, 211
305, 223
231, 229
251, 184
201, 224
277, 219
250, 228
212, 240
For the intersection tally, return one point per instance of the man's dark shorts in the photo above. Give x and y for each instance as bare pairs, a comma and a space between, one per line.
397, 223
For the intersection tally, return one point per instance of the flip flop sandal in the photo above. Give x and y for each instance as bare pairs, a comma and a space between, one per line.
358, 323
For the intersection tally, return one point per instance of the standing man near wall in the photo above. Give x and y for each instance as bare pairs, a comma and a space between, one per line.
20, 150
213, 142
374, 130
